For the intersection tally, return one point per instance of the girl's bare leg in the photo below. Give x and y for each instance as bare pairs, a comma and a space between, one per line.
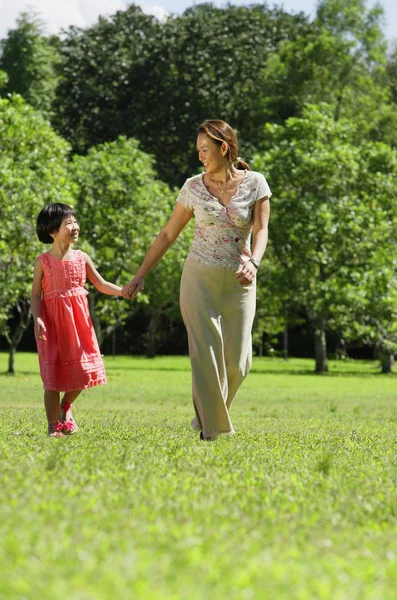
51, 404
65, 413
70, 397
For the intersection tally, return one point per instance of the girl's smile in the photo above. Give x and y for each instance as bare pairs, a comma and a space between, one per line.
68, 231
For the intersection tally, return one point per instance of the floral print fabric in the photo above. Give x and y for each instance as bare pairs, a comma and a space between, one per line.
222, 234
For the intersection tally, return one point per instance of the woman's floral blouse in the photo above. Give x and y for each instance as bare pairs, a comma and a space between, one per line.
222, 234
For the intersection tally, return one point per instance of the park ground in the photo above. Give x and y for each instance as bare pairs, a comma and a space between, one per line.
301, 504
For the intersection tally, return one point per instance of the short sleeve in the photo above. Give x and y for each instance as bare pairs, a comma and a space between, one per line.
262, 188
185, 197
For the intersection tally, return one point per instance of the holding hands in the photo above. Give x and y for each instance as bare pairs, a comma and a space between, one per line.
131, 289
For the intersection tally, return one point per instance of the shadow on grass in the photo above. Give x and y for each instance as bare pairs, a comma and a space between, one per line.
256, 371
331, 374
6, 374
335, 370
148, 370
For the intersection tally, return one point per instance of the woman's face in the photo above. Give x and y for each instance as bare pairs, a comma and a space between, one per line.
210, 154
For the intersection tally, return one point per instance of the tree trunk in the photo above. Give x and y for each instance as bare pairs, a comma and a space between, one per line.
11, 360
386, 361
152, 332
286, 342
320, 346
13, 337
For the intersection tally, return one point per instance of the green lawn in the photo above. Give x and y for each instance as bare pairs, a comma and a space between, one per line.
300, 504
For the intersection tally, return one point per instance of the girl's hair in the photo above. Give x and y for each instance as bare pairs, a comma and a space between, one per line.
50, 219
220, 132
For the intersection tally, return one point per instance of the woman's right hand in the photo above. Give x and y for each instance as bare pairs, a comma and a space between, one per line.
40, 329
134, 286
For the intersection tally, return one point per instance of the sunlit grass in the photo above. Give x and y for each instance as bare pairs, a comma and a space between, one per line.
300, 504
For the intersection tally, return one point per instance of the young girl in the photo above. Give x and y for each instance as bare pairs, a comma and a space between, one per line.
69, 355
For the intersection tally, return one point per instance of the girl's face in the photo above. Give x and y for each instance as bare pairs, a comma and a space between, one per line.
68, 231
211, 154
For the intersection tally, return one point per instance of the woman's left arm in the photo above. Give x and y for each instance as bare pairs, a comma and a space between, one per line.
260, 228
260, 221
103, 286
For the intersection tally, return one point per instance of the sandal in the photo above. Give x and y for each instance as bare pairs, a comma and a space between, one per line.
69, 425
55, 430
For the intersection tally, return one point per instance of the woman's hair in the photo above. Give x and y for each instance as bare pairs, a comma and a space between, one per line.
50, 219
220, 132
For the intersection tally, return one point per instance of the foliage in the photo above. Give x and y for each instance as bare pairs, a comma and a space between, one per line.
121, 207
332, 216
33, 172
3, 79
29, 59
341, 60
391, 74
156, 82
101, 72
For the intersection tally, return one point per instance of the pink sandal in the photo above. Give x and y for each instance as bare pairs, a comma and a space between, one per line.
56, 430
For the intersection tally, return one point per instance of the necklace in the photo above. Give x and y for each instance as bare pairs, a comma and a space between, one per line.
221, 192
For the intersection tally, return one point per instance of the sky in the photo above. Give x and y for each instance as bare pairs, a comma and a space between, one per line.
58, 14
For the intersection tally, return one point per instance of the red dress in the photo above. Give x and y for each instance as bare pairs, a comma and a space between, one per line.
70, 358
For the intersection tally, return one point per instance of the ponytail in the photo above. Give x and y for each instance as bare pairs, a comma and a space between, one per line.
241, 164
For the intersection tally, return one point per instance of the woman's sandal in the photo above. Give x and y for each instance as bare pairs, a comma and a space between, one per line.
69, 426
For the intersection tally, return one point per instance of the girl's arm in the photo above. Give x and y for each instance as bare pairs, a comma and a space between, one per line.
35, 300
167, 236
247, 272
103, 286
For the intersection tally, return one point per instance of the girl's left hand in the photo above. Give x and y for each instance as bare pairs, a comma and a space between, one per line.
246, 273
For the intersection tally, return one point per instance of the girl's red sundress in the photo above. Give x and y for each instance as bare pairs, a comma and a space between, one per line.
70, 358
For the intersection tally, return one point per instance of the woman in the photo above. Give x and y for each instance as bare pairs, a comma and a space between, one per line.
218, 285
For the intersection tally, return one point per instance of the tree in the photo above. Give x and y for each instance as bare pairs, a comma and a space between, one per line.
277, 310
33, 172
331, 215
29, 58
391, 74
101, 72
340, 60
156, 82
373, 296
3, 80
121, 207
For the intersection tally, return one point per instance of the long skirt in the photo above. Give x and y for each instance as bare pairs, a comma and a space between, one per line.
218, 315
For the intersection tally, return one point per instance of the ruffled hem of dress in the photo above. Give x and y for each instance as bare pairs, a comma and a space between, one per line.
74, 375
74, 388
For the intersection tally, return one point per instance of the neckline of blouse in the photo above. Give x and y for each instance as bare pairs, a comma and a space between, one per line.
235, 193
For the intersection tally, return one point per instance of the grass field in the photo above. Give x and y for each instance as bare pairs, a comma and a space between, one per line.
300, 504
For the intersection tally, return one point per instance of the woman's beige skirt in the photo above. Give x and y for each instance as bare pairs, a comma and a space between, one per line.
218, 315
